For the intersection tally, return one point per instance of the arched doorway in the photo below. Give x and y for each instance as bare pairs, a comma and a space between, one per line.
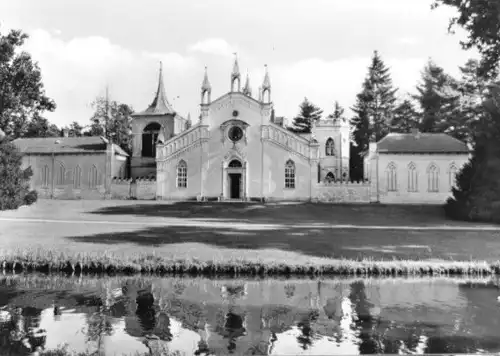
149, 139
234, 180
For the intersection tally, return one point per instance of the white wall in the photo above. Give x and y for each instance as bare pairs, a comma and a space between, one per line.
422, 162
263, 158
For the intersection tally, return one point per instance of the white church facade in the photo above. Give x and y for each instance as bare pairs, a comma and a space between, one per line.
237, 150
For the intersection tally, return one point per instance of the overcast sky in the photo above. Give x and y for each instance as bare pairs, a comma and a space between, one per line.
315, 48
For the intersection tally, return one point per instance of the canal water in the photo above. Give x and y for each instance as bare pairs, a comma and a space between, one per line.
200, 316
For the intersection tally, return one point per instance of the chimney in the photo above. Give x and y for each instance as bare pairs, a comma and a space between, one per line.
65, 132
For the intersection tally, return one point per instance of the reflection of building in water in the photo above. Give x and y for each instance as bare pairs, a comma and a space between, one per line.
19, 333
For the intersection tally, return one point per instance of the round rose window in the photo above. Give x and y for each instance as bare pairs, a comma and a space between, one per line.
235, 133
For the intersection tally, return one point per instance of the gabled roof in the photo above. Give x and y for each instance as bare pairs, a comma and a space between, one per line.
421, 143
65, 145
160, 104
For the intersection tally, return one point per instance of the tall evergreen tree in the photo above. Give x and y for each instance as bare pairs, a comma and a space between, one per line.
405, 117
338, 112
439, 101
473, 88
477, 193
373, 112
308, 114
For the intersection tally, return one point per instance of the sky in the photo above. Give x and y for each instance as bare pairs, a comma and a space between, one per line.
319, 49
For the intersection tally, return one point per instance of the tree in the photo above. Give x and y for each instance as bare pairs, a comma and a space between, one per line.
22, 95
439, 101
75, 129
481, 19
41, 127
308, 114
405, 117
476, 196
373, 112
112, 120
473, 88
14, 190
338, 112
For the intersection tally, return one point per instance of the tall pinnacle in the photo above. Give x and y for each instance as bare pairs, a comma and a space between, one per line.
206, 84
236, 67
247, 90
267, 83
160, 104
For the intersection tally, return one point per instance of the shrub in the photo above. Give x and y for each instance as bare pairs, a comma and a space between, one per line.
15, 180
31, 197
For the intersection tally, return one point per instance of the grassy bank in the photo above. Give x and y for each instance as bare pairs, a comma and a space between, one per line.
65, 351
47, 260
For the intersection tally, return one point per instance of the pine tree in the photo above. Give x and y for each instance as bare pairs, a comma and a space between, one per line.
373, 112
308, 114
477, 193
439, 101
338, 113
473, 88
382, 95
405, 117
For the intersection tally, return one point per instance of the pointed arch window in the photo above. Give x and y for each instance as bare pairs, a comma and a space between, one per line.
391, 177
452, 175
412, 177
77, 178
330, 147
93, 177
433, 178
235, 164
45, 176
182, 174
61, 175
290, 174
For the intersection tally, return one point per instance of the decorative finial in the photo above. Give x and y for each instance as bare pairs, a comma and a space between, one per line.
235, 75
266, 85
247, 90
206, 88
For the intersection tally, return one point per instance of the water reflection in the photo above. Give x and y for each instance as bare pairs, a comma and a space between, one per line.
206, 317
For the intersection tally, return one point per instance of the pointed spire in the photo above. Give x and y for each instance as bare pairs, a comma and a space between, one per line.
236, 67
267, 83
160, 104
206, 88
235, 74
206, 84
189, 123
247, 89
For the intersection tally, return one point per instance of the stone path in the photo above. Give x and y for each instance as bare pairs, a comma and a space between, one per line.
220, 223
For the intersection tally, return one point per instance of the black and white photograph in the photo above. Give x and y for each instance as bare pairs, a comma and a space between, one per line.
266, 177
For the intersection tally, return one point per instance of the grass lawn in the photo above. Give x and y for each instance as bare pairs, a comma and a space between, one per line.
271, 234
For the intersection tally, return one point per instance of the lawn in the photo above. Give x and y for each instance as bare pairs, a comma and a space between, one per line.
293, 234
